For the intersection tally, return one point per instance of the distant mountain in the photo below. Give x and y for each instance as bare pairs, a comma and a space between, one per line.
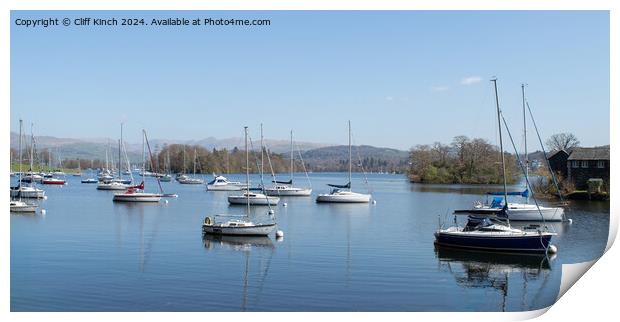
375, 159
94, 148
319, 156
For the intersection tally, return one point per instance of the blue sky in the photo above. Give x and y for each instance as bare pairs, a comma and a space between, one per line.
402, 78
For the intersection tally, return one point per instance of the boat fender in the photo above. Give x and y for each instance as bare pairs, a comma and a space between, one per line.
279, 234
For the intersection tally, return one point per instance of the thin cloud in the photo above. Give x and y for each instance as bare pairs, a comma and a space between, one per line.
471, 80
440, 88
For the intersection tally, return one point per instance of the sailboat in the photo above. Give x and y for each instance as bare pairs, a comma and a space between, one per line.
79, 172
343, 193
518, 211
484, 233
166, 177
253, 198
19, 205
30, 191
286, 188
241, 227
136, 193
191, 180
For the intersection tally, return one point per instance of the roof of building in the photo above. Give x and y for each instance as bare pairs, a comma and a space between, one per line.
600, 153
553, 153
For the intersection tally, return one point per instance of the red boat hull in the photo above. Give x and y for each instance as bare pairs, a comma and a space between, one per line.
61, 182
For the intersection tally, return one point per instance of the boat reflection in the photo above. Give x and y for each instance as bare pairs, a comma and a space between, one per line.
479, 269
245, 244
237, 243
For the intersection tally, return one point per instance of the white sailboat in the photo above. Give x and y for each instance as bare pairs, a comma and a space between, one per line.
30, 191
240, 227
191, 180
519, 211
253, 198
136, 193
343, 193
286, 188
19, 205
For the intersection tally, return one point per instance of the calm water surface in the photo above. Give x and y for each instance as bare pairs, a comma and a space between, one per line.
90, 254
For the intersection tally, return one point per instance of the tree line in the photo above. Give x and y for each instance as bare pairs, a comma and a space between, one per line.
464, 160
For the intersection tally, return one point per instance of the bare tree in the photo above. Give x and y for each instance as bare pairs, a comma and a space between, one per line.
562, 141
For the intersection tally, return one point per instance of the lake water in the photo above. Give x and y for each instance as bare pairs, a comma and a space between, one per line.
90, 254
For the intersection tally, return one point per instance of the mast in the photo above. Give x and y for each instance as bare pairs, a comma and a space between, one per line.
247, 170
120, 142
501, 145
194, 161
19, 177
31, 149
527, 162
349, 155
292, 163
262, 166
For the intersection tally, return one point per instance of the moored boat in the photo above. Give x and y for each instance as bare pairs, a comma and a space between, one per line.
255, 199
338, 195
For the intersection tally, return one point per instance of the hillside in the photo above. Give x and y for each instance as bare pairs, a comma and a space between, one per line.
375, 159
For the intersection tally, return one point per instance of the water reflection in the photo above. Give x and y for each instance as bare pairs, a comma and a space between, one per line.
489, 270
245, 244
236, 243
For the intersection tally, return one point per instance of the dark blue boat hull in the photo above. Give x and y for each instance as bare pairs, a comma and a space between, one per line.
536, 243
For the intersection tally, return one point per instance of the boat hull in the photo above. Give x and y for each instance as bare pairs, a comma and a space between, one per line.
23, 207
259, 201
520, 213
526, 243
227, 187
53, 182
136, 197
294, 192
351, 198
34, 194
116, 187
257, 230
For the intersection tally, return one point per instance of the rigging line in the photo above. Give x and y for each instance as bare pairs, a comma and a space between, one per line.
527, 180
555, 182
303, 164
273, 175
368, 188
161, 190
262, 183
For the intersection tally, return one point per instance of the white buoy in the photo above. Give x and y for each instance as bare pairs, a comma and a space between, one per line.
279, 234
552, 249
570, 221
166, 201
374, 202
43, 211
271, 212
284, 204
